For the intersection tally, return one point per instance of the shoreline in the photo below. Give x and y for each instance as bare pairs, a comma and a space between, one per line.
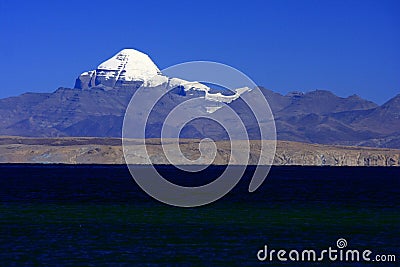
118, 165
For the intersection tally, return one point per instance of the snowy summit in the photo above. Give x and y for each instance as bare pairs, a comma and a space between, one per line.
127, 68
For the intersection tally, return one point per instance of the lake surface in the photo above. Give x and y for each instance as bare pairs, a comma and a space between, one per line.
59, 215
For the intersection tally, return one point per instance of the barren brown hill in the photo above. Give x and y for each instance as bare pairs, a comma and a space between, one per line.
69, 150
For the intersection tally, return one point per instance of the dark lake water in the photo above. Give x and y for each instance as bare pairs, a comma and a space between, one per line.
98, 216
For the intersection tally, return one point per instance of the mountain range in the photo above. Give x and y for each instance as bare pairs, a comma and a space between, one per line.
97, 104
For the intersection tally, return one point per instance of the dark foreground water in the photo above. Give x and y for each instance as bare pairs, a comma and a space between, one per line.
97, 216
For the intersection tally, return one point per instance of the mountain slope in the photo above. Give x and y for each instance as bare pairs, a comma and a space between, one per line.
386, 118
98, 112
323, 102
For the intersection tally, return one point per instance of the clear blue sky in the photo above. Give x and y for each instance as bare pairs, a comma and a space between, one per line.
348, 47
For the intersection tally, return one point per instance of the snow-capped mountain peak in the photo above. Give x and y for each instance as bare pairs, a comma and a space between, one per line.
127, 68
130, 65
131, 69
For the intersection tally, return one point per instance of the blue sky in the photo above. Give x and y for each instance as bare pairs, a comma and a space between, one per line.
348, 47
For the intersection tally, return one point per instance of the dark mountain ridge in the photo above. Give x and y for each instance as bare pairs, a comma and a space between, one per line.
314, 117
